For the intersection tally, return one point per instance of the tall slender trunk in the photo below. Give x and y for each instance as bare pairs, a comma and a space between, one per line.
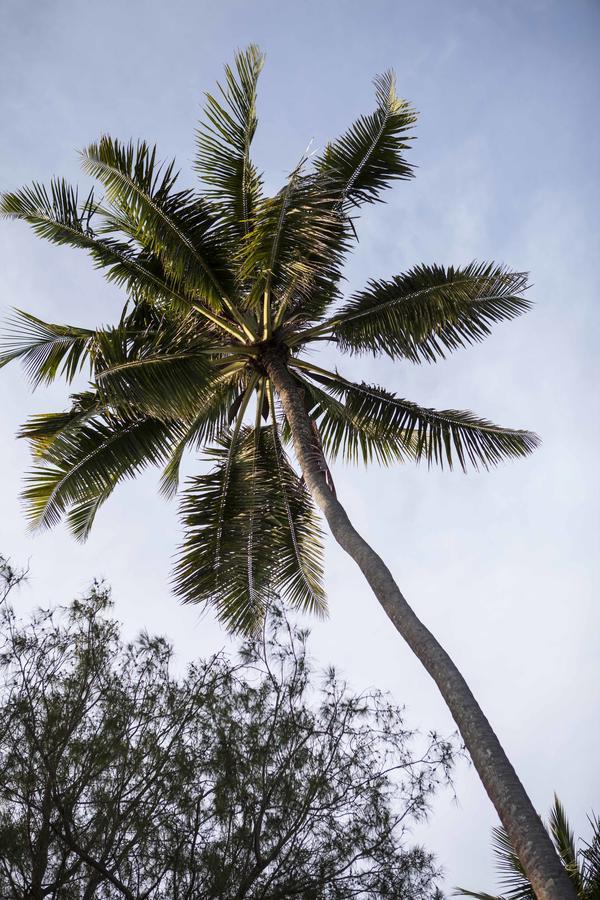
515, 810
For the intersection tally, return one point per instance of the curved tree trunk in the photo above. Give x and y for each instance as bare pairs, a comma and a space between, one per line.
515, 810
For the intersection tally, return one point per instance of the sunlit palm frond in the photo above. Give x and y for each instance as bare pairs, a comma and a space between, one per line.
353, 434
174, 224
42, 429
564, 841
46, 350
428, 311
83, 464
442, 437
590, 862
248, 501
223, 160
370, 155
294, 249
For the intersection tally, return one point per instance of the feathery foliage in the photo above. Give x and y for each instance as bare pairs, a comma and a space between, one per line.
223, 161
216, 279
429, 311
251, 777
370, 155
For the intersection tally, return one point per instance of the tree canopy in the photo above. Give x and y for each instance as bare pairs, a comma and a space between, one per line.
257, 778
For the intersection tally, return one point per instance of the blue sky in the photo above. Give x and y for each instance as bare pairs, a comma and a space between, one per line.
502, 566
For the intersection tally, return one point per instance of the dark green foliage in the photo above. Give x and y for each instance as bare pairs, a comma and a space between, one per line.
216, 279
86, 460
223, 160
429, 311
46, 350
252, 778
221, 513
403, 429
363, 162
582, 865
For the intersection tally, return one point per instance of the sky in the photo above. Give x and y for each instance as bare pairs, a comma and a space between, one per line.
502, 566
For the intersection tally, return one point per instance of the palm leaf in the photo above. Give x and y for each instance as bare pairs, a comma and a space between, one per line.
262, 538
512, 875
47, 350
223, 159
463, 892
370, 155
590, 862
564, 841
175, 225
209, 421
429, 311
438, 436
296, 245
216, 512
42, 429
353, 434
56, 215
81, 515
300, 576
82, 465
158, 374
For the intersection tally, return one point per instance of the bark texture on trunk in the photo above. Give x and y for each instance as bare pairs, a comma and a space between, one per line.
515, 810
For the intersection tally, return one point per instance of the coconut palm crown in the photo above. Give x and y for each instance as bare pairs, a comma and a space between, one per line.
218, 282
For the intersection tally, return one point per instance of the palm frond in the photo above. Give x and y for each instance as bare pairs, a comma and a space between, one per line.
300, 577
564, 841
351, 434
590, 862
428, 311
463, 892
223, 160
512, 875
177, 226
156, 374
216, 511
209, 421
83, 464
56, 214
261, 499
442, 437
81, 515
370, 155
42, 429
296, 247
47, 350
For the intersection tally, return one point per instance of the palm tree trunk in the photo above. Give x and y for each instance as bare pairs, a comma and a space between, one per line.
515, 810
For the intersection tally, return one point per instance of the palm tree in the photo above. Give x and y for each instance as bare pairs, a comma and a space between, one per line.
581, 865
229, 292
